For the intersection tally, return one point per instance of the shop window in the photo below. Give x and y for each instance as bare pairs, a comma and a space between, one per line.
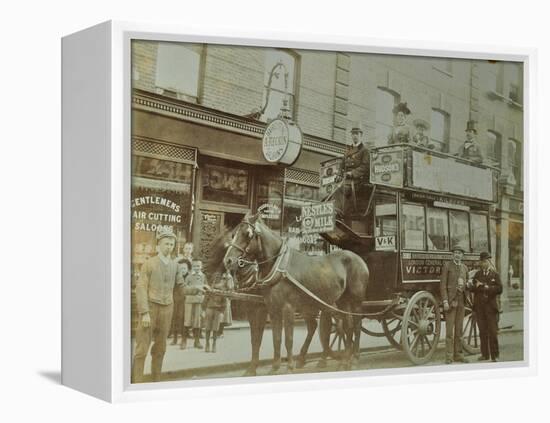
178, 70
385, 217
161, 199
440, 130
438, 229
269, 195
296, 196
225, 184
414, 227
497, 77
279, 83
479, 232
460, 231
385, 102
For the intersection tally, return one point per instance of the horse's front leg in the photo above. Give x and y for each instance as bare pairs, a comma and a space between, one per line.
311, 322
257, 317
288, 319
277, 328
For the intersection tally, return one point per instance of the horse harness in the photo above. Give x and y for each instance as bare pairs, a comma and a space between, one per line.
280, 268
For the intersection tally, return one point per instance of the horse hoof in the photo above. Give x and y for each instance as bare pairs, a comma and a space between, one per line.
250, 372
322, 364
274, 370
300, 363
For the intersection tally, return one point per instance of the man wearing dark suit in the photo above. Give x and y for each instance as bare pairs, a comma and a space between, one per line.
486, 287
454, 276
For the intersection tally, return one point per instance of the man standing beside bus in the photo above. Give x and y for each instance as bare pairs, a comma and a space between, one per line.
454, 276
487, 286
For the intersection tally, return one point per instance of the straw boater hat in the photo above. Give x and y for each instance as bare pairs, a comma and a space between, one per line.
471, 126
163, 233
402, 107
422, 123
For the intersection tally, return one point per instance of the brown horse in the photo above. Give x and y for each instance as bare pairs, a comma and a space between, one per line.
256, 313
337, 280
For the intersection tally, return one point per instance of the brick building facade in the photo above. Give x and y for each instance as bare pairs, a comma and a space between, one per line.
213, 100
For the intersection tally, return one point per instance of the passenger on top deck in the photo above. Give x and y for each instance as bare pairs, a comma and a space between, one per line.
470, 150
401, 132
420, 138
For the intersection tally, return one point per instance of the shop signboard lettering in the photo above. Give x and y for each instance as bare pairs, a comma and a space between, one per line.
282, 142
318, 218
225, 184
330, 171
269, 211
387, 167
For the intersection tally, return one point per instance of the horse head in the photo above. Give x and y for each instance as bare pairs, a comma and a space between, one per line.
245, 243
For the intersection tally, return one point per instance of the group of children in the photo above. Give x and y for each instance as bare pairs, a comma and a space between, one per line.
203, 310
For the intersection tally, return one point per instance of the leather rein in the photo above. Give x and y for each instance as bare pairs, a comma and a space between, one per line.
278, 268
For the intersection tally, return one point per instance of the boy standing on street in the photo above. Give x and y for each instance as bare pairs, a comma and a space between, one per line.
155, 301
196, 279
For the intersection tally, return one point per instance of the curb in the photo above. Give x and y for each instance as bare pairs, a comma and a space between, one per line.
228, 367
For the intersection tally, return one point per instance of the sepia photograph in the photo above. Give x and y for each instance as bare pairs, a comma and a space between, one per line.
307, 211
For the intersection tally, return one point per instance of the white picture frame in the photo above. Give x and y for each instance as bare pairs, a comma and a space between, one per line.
96, 189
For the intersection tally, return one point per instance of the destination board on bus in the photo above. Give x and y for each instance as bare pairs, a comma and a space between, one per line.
446, 175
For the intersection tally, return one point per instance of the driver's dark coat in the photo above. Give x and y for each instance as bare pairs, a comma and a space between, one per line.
356, 161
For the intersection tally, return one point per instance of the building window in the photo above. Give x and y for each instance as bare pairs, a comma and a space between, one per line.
438, 229
444, 65
440, 130
514, 159
279, 83
385, 102
497, 78
178, 69
494, 147
414, 227
516, 83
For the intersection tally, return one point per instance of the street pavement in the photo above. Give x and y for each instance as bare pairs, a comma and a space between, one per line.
234, 350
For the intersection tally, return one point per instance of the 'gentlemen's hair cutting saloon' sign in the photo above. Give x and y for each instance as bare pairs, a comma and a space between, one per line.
282, 142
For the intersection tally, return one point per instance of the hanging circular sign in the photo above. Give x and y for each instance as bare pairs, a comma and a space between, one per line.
282, 142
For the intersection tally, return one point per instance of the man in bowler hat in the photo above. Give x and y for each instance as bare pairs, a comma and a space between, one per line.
486, 287
155, 301
454, 276
470, 150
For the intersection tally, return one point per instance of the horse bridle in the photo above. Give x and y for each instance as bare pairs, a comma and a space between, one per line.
241, 260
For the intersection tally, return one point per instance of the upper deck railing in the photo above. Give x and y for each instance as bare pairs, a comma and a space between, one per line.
420, 169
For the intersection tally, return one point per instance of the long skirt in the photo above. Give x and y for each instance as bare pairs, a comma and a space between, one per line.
193, 315
227, 319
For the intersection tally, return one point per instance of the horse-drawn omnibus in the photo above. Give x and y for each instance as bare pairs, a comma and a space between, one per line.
417, 205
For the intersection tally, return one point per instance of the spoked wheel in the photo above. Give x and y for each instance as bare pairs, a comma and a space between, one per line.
392, 328
421, 327
470, 333
337, 335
